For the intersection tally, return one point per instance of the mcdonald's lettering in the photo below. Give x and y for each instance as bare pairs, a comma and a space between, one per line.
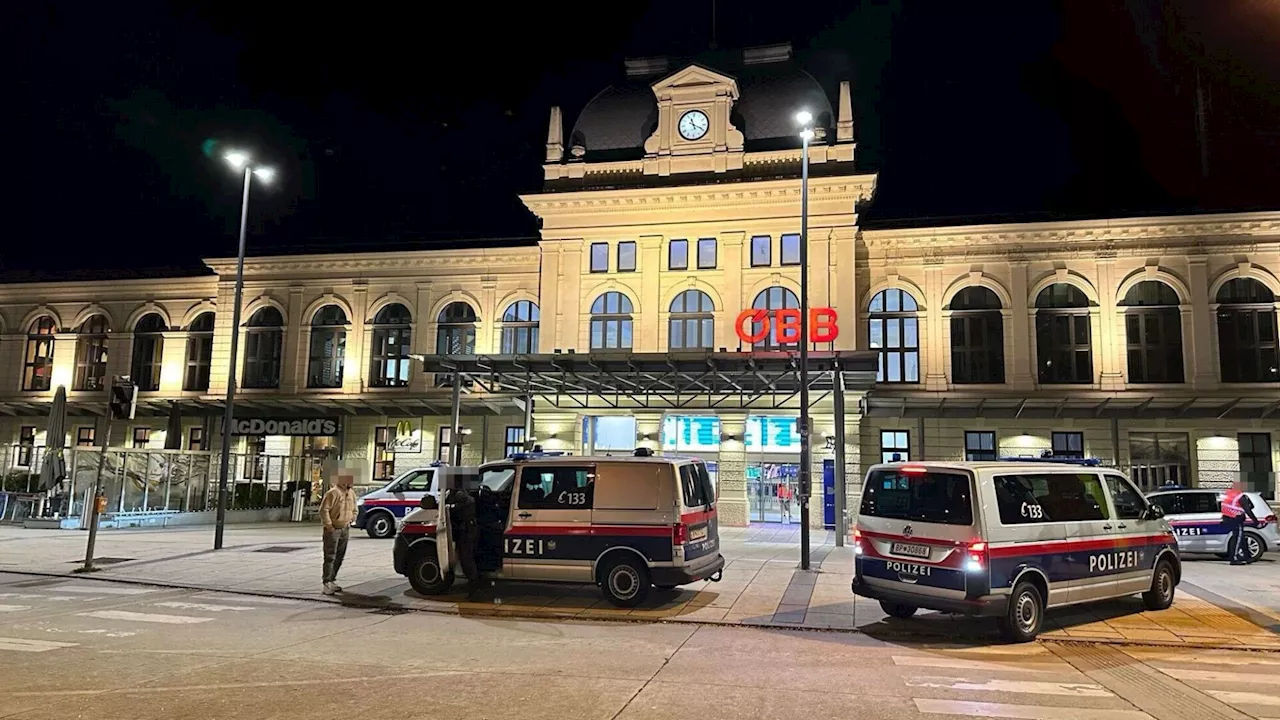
755, 325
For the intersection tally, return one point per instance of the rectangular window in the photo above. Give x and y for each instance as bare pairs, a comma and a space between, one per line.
255, 457
695, 486
384, 460
761, 251
932, 497
557, 488
599, 257
195, 438
791, 249
707, 254
1255, 463
86, 436
444, 441
678, 255
514, 441
1159, 459
895, 446
1068, 444
979, 445
26, 445
1050, 497
1128, 501
141, 436
626, 257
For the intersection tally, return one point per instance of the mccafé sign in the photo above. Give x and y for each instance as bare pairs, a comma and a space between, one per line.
755, 325
284, 426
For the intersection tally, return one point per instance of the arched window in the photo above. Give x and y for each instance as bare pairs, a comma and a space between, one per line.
389, 364
692, 326
91, 354
520, 328
148, 351
895, 333
1153, 333
1064, 341
977, 337
611, 322
262, 343
328, 348
37, 366
456, 334
1247, 349
199, 353
773, 300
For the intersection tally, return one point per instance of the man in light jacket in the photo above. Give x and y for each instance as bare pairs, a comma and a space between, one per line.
337, 511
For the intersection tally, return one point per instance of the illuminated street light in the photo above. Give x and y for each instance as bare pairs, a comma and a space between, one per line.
804, 118
237, 159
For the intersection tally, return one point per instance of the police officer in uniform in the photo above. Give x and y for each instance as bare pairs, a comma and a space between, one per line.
462, 517
1235, 507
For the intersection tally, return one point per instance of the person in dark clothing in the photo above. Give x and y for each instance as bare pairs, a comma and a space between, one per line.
462, 518
1236, 506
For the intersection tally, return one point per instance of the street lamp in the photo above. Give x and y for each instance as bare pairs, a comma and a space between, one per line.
805, 120
241, 161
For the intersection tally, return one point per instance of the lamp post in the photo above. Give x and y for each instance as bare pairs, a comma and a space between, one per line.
240, 161
804, 118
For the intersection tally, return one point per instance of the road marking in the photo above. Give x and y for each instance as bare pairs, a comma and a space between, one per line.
1015, 650
962, 664
264, 684
1021, 712
1016, 686
25, 645
14, 608
36, 596
1219, 676
1232, 697
255, 599
102, 590
1202, 658
144, 617
178, 605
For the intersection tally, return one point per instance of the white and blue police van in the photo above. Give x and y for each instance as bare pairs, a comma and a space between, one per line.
1009, 539
625, 524
378, 512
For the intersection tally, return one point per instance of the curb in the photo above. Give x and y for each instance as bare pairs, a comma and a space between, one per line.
497, 612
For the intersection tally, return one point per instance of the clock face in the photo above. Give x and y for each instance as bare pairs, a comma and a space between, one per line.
693, 125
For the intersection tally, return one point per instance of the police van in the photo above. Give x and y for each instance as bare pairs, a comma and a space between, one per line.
1196, 517
626, 524
1009, 539
378, 512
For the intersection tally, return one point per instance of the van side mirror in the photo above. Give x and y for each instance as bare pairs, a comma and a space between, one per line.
429, 502
1154, 512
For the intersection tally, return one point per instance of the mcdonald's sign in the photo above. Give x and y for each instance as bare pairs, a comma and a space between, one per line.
755, 325
408, 436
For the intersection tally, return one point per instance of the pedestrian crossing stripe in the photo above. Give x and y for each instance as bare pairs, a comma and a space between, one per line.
179, 605
145, 617
25, 645
101, 589
1219, 676
1232, 697
1074, 689
955, 663
14, 608
1023, 712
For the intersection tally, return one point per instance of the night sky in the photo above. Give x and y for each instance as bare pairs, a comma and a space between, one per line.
405, 128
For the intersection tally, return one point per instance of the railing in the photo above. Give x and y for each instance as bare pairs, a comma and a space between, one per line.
1153, 476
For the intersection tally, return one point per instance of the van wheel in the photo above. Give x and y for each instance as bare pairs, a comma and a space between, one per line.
424, 572
1254, 547
625, 583
1021, 623
898, 610
380, 525
1160, 596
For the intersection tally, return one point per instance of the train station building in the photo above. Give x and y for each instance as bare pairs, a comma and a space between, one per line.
670, 227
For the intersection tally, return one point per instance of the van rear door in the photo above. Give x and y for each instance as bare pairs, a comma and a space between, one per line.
915, 528
698, 515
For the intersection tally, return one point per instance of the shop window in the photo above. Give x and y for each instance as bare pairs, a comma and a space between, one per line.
1158, 459
599, 257
707, 254
199, 353
977, 337
773, 300
391, 347
263, 339
761, 251
328, 351
37, 368
26, 445
895, 333
513, 441
1247, 346
148, 352
1064, 341
790, 249
895, 446
520, 328
91, 354
86, 436
627, 256
979, 445
1153, 333
255, 457
195, 439
1068, 445
384, 460
141, 437
692, 324
678, 255
611, 322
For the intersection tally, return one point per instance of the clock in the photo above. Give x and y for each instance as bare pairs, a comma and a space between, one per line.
693, 125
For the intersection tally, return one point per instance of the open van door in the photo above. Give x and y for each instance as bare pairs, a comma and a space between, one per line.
444, 538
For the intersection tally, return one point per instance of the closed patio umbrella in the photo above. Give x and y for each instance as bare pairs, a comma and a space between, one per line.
54, 468
173, 432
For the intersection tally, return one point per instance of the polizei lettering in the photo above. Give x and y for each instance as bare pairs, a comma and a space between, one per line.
1113, 561
304, 426
908, 569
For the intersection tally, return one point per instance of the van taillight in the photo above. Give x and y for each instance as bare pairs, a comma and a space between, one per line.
1268, 519
857, 542
977, 559
680, 533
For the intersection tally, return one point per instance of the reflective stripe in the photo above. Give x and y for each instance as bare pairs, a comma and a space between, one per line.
1231, 504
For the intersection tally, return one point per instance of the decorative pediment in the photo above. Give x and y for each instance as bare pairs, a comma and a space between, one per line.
696, 77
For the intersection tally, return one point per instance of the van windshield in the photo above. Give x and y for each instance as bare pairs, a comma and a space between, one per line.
934, 497
695, 485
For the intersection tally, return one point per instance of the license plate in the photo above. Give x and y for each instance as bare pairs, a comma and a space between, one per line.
698, 534
920, 551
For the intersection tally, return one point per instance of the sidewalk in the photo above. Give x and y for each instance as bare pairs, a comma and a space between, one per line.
1216, 606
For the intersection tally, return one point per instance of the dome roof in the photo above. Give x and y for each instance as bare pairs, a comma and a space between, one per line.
618, 120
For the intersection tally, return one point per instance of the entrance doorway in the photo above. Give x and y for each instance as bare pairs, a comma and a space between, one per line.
771, 492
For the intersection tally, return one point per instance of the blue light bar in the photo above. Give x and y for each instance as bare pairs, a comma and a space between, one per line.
1086, 462
532, 455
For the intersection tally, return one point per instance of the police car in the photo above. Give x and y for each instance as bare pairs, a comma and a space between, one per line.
1196, 517
378, 512
1009, 539
626, 524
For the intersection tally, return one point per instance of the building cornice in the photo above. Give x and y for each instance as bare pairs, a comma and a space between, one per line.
413, 262
61, 290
